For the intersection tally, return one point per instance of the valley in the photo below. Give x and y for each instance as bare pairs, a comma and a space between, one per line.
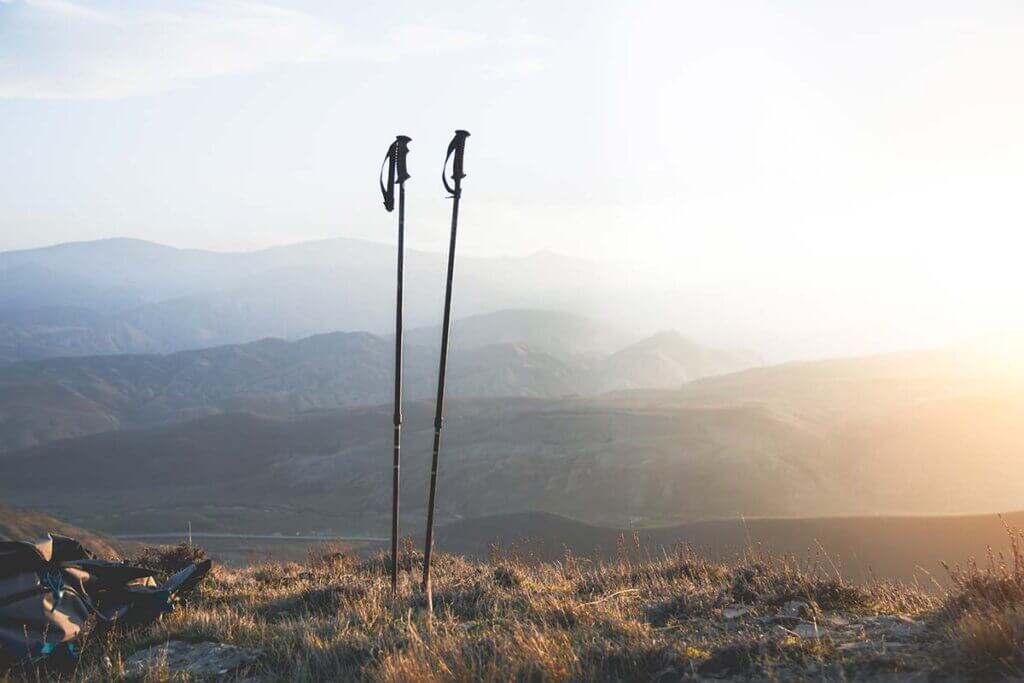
197, 418
812, 439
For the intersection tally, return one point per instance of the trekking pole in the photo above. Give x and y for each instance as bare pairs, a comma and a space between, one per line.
456, 151
397, 174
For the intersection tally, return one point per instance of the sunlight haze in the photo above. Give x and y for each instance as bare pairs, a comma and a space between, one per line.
828, 172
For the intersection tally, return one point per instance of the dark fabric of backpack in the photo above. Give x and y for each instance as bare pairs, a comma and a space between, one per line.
50, 589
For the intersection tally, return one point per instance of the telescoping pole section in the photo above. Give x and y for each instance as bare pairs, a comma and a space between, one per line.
397, 174
456, 152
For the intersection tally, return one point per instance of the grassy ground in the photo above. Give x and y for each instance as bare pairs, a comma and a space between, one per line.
666, 618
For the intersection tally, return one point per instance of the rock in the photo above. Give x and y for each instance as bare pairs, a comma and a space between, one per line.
907, 630
796, 609
808, 631
191, 659
835, 621
735, 611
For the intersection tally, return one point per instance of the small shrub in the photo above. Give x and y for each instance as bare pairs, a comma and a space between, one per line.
328, 553
748, 582
508, 576
168, 559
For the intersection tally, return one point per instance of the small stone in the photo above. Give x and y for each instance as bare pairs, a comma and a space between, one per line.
795, 608
835, 620
808, 631
735, 611
907, 630
191, 659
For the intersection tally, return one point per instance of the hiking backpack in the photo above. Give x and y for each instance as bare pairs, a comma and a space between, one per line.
50, 589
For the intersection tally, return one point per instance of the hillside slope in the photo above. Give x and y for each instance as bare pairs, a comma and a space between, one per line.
19, 524
831, 438
586, 459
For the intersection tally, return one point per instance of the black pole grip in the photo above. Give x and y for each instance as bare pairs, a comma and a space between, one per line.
456, 149
397, 170
401, 146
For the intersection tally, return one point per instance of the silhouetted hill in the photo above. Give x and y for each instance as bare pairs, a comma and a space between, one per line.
556, 332
907, 548
19, 524
668, 359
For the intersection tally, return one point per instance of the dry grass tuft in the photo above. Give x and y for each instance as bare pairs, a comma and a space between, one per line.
983, 617
775, 582
989, 641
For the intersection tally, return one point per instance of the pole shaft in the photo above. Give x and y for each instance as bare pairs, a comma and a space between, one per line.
439, 405
397, 420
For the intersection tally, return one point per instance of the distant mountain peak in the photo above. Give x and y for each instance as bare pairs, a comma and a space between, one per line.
666, 337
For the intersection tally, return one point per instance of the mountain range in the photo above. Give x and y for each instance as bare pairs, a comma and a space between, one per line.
129, 296
143, 388
912, 433
508, 353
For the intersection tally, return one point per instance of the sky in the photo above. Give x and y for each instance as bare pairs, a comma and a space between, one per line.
863, 161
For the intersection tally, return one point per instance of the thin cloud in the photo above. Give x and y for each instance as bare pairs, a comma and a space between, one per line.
65, 8
522, 58
61, 49
515, 69
411, 40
